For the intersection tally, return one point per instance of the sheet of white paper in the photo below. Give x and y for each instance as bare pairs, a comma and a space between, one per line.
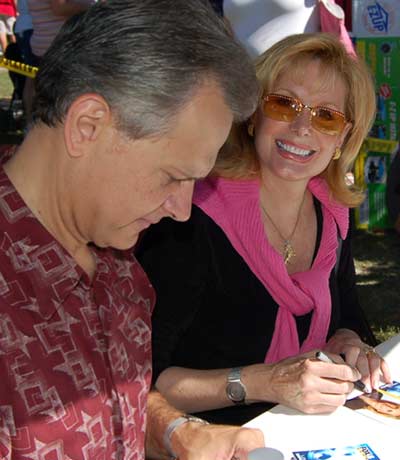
288, 430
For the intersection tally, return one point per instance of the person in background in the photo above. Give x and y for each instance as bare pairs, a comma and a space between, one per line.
23, 30
259, 24
116, 144
8, 13
47, 18
22, 51
262, 275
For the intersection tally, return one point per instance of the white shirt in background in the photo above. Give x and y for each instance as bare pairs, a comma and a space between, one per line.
258, 24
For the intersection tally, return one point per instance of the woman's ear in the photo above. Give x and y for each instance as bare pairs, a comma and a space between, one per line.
344, 133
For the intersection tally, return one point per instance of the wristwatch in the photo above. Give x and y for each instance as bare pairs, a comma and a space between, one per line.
173, 426
235, 390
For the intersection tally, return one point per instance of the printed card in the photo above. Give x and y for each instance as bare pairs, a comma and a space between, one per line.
391, 389
358, 452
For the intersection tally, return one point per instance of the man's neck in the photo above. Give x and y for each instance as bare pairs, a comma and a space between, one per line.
38, 176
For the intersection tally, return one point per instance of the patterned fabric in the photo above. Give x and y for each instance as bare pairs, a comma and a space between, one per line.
235, 206
75, 353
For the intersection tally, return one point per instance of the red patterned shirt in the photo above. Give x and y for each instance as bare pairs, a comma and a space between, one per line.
75, 353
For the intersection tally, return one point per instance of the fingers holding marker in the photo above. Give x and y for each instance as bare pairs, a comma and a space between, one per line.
372, 366
342, 372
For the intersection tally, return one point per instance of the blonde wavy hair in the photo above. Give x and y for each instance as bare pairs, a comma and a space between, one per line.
238, 158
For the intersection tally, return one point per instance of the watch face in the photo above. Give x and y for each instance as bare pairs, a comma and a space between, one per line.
235, 392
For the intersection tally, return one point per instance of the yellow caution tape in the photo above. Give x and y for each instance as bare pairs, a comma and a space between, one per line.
19, 67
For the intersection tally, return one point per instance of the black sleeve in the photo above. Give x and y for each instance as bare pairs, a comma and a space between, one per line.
350, 313
175, 257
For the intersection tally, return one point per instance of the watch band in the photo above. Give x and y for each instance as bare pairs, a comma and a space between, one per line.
173, 426
235, 389
235, 374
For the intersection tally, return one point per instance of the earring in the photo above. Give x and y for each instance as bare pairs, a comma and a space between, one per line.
250, 129
337, 153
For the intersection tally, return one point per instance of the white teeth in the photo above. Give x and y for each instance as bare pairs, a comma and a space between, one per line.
294, 150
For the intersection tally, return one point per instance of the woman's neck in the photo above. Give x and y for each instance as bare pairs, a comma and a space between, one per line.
282, 194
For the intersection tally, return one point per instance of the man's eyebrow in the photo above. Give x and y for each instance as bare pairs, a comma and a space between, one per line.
195, 178
185, 176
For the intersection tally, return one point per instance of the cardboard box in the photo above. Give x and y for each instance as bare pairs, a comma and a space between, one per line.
370, 172
383, 57
376, 18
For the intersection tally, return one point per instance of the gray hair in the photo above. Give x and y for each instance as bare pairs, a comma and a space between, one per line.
146, 58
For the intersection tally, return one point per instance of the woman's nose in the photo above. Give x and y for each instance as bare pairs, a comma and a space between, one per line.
302, 123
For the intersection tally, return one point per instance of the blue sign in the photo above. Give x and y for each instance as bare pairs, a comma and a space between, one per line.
379, 17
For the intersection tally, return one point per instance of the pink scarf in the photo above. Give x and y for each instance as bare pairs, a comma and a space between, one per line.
234, 206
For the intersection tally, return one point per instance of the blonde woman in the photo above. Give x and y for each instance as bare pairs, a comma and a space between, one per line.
262, 276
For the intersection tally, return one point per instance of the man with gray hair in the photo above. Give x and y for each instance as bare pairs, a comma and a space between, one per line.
133, 101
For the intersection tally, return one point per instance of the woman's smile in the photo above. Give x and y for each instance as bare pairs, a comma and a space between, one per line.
294, 151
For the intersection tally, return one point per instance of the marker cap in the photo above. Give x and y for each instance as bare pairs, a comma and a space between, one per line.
265, 453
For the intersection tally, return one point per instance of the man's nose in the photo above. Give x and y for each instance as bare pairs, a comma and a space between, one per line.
179, 204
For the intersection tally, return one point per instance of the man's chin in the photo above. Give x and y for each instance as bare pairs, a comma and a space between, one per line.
121, 244
128, 244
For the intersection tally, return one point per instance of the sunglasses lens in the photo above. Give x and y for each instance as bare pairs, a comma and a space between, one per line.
279, 108
286, 108
328, 121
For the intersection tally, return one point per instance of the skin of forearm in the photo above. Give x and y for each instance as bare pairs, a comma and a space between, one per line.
192, 390
66, 8
159, 416
192, 440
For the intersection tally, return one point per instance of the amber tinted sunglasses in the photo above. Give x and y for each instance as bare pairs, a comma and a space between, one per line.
285, 108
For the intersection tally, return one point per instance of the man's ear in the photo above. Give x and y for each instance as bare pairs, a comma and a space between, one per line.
87, 118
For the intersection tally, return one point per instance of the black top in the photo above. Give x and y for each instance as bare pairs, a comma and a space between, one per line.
212, 311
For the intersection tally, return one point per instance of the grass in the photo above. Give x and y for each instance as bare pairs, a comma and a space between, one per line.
377, 259
6, 87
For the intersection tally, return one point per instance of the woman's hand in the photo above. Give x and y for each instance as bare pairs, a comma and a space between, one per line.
303, 382
358, 354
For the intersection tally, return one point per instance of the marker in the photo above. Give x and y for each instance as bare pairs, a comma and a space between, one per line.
358, 384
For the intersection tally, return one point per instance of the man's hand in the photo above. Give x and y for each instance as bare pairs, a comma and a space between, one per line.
193, 441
